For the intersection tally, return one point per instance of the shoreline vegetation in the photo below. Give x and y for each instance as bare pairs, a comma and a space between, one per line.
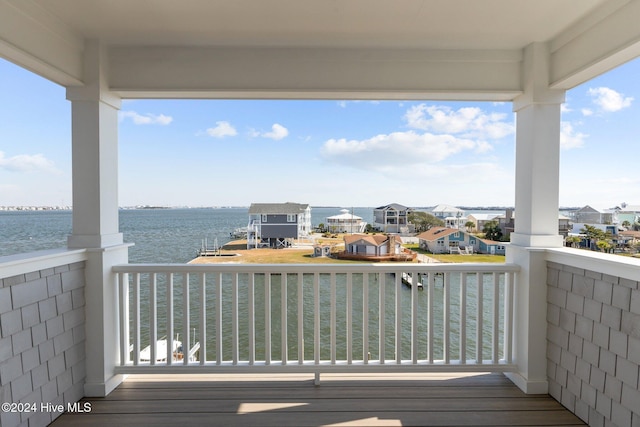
236, 252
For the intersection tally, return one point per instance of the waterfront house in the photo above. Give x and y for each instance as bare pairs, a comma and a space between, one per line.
345, 222
69, 316
375, 247
441, 240
590, 215
479, 220
393, 218
277, 225
453, 217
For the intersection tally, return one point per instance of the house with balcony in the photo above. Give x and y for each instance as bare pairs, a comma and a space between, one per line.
393, 218
277, 225
345, 222
453, 217
441, 240
74, 321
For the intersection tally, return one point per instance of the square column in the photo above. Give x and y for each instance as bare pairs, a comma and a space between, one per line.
536, 225
95, 215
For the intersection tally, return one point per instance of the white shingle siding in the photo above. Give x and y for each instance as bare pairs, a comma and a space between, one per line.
42, 354
593, 336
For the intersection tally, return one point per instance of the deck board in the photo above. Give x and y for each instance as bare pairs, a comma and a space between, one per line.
472, 400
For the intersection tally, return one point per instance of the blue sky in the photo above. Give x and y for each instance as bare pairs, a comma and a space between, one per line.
338, 153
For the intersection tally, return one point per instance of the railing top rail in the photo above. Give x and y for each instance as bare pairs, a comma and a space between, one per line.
316, 268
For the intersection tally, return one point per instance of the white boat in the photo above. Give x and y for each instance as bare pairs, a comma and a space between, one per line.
177, 351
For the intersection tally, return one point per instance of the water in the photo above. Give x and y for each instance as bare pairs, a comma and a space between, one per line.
159, 235
174, 236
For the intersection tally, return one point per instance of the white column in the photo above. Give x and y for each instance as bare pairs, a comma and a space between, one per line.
95, 214
536, 214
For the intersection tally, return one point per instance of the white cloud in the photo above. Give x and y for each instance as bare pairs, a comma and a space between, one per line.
469, 122
221, 130
277, 132
608, 99
396, 150
146, 119
569, 137
27, 163
564, 108
587, 112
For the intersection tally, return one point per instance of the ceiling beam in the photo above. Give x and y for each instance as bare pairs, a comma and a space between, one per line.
297, 73
34, 39
607, 38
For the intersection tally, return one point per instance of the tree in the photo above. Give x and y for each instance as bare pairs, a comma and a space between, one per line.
572, 241
423, 221
492, 231
470, 225
626, 224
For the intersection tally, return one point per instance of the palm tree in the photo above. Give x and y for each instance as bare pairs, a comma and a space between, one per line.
470, 225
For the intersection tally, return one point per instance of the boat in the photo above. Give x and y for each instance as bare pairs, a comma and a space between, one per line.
177, 351
239, 233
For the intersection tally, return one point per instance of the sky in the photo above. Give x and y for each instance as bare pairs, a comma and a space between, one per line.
325, 153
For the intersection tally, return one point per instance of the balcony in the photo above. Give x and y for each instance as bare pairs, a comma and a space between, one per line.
74, 322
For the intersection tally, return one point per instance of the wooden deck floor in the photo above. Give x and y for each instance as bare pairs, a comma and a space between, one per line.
294, 400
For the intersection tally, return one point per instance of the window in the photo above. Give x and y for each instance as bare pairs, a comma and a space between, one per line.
264, 218
291, 218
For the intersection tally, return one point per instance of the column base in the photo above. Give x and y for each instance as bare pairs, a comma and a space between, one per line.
103, 389
536, 240
528, 386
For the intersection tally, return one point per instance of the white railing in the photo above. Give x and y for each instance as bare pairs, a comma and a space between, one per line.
315, 318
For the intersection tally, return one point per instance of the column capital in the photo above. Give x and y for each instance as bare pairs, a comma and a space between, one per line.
536, 78
95, 77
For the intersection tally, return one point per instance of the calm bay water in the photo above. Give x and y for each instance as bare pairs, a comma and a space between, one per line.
159, 235
174, 236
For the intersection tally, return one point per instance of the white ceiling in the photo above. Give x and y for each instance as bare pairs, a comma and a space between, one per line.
432, 24
459, 49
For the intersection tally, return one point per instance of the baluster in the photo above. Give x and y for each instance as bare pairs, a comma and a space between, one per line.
446, 317
284, 351
252, 318
430, 329
365, 318
170, 319
496, 319
479, 319
398, 287
219, 319
463, 318
300, 318
382, 282
234, 319
123, 301
316, 318
186, 320
333, 319
508, 316
414, 316
153, 318
349, 319
267, 318
203, 318
136, 319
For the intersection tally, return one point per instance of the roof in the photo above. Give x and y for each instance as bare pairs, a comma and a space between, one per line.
446, 208
436, 233
372, 239
394, 206
482, 216
345, 216
277, 208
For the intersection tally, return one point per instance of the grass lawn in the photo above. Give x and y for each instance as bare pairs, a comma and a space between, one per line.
456, 257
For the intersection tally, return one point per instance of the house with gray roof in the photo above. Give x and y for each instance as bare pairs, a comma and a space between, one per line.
393, 218
277, 225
